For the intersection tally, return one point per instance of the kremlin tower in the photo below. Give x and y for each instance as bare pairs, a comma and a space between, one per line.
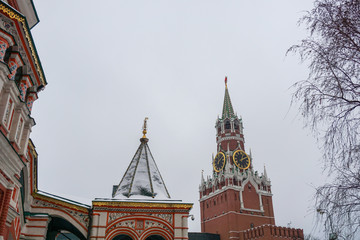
236, 201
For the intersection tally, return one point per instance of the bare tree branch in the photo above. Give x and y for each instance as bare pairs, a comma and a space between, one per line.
330, 103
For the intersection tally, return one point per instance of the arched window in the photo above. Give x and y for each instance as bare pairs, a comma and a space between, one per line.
122, 237
227, 125
236, 125
59, 228
155, 237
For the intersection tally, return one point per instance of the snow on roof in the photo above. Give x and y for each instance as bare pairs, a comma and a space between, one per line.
137, 200
67, 200
142, 179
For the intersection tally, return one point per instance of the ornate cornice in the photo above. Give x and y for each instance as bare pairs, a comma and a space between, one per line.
187, 206
141, 210
32, 148
229, 138
13, 14
59, 202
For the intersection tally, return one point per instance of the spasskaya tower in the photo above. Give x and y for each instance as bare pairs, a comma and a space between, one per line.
235, 197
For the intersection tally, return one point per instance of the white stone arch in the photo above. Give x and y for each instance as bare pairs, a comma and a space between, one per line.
250, 179
58, 223
134, 218
55, 212
119, 231
156, 231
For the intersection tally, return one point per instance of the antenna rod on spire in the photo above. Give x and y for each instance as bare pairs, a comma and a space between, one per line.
225, 81
145, 127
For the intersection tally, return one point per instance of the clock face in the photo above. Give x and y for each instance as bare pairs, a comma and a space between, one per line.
219, 161
241, 159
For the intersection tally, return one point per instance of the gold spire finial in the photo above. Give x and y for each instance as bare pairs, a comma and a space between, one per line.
226, 81
145, 127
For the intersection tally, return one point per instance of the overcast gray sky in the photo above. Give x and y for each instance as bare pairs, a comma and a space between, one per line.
109, 64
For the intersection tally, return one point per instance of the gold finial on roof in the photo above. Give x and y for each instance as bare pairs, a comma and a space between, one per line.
226, 81
145, 127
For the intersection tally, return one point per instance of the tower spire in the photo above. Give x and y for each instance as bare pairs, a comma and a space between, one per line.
228, 110
142, 178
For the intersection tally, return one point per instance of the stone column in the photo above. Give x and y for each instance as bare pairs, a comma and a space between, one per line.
185, 227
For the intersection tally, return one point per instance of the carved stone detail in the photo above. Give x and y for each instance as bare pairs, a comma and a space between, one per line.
128, 224
151, 224
166, 217
8, 25
115, 215
80, 216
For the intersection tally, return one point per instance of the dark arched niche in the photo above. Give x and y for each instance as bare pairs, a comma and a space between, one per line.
122, 237
59, 225
155, 237
227, 125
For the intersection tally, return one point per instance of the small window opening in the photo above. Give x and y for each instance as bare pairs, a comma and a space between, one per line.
236, 125
227, 125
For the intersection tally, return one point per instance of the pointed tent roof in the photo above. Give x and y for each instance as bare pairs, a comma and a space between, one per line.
228, 111
142, 178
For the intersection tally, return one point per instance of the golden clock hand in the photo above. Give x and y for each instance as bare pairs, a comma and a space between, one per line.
243, 158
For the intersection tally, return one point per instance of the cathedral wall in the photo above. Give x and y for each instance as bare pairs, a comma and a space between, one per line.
21, 77
36, 227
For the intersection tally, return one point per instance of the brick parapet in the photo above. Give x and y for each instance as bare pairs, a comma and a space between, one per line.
271, 232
